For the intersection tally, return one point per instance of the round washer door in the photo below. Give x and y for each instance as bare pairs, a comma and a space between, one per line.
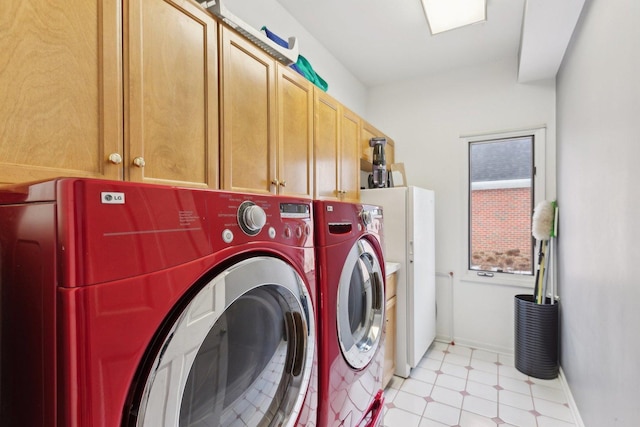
360, 305
240, 353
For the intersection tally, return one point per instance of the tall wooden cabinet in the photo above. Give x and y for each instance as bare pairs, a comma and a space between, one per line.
171, 76
81, 97
129, 90
336, 136
348, 158
390, 328
248, 152
295, 133
61, 80
267, 113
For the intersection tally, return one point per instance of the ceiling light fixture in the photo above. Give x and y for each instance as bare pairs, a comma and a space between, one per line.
444, 15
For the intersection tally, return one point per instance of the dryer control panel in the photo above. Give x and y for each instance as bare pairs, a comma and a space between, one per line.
244, 218
340, 221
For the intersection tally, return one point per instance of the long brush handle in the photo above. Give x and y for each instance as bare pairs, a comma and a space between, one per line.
552, 283
535, 284
536, 290
545, 275
540, 277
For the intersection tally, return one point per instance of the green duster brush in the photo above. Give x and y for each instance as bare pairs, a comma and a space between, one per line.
542, 228
552, 248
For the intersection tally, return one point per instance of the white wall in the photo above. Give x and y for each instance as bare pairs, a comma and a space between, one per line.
598, 91
426, 118
342, 84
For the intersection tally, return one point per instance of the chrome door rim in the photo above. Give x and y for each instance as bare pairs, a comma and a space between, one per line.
360, 351
164, 388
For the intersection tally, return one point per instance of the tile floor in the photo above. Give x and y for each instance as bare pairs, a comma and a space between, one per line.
455, 385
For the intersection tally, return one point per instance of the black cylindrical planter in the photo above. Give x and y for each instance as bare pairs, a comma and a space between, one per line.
536, 337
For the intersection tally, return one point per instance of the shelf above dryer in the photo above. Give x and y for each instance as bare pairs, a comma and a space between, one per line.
287, 56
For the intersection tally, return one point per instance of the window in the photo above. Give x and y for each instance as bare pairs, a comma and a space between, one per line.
504, 182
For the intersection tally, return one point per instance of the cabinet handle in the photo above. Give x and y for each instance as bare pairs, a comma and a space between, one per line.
283, 184
139, 162
275, 182
115, 158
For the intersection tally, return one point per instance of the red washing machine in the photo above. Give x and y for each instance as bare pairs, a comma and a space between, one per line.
128, 304
351, 316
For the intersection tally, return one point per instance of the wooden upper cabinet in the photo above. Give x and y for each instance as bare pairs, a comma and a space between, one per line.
349, 155
248, 137
295, 133
60, 74
171, 120
336, 135
267, 122
326, 141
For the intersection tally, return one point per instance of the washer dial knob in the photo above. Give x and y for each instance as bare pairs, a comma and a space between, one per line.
251, 218
366, 217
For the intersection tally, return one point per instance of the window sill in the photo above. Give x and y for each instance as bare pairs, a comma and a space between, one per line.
500, 279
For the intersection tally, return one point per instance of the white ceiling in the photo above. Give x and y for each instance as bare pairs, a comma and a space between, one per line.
380, 41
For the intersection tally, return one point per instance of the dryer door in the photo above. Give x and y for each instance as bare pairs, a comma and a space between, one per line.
240, 353
360, 305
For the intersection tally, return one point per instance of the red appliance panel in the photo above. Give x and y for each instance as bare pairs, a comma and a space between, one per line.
113, 230
27, 313
347, 396
339, 222
143, 229
140, 258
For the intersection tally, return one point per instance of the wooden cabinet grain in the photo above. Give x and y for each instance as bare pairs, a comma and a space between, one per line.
118, 89
83, 98
336, 136
349, 163
267, 119
171, 120
390, 325
248, 137
60, 73
295, 133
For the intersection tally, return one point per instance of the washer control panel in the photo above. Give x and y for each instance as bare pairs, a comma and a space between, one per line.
242, 218
372, 218
251, 218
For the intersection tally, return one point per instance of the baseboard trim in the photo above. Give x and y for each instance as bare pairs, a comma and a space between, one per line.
572, 403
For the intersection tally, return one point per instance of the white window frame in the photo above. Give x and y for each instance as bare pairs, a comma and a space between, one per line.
539, 185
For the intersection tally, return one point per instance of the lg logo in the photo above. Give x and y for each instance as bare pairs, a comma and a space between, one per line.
112, 198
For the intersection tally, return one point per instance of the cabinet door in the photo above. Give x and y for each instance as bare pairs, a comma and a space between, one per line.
390, 342
248, 137
349, 156
171, 125
60, 74
295, 134
326, 139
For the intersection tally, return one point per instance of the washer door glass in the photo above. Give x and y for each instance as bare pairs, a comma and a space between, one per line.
360, 305
240, 353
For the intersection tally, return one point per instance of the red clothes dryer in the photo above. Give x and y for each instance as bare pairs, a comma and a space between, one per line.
351, 316
128, 304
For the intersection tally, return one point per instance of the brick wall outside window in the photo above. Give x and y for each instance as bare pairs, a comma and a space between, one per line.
501, 228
